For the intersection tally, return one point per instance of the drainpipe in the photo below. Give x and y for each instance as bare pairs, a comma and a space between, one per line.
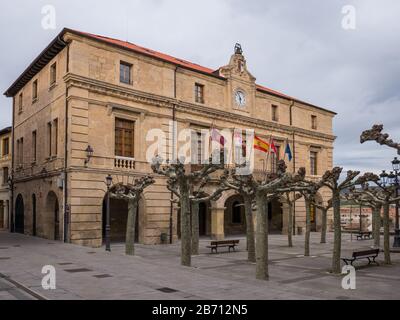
67, 211
171, 209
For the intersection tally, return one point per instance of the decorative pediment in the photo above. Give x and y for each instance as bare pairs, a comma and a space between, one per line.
237, 66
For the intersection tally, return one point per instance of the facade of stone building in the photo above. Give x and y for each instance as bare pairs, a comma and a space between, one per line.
5, 167
83, 108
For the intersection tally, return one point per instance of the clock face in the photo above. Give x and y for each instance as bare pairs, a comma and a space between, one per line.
240, 98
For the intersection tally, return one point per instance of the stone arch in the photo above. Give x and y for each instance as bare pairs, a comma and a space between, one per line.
118, 219
51, 226
234, 215
275, 216
19, 223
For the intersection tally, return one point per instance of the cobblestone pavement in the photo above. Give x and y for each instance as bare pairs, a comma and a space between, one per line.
155, 272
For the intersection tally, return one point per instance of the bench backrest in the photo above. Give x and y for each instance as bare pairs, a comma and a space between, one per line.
222, 242
365, 253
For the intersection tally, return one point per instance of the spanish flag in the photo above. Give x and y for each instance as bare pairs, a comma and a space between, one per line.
260, 144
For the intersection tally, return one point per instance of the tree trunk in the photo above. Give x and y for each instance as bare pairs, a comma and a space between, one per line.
130, 228
377, 226
337, 242
251, 250
186, 241
262, 238
386, 235
324, 222
308, 229
290, 223
195, 227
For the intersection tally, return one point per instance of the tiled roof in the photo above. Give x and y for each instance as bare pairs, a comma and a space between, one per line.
33, 68
182, 63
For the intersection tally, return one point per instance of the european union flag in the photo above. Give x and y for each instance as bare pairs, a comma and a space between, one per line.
288, 151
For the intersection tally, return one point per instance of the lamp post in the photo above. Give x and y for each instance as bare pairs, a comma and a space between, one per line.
108, 227
10, 218
395, 181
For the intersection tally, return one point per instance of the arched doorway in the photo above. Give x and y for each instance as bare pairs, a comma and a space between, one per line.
234, 217
275, 217
52, 221
34, 215
118, 220
19, 214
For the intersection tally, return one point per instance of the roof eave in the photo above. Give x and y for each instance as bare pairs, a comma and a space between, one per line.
296, 100
41, 60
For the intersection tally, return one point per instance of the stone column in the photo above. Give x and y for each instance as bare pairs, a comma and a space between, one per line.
217, 223
285, 218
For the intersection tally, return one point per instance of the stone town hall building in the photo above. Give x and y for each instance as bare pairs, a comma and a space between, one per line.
82, 109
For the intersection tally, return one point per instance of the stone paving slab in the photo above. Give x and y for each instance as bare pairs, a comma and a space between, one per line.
212, 276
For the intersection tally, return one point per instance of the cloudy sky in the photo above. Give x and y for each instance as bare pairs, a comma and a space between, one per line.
297, 47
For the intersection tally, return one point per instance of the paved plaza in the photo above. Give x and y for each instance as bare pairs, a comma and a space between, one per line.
155, 272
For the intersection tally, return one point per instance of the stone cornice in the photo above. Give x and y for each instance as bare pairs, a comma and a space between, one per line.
73, 80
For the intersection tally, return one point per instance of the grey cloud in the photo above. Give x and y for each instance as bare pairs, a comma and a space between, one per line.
297, 47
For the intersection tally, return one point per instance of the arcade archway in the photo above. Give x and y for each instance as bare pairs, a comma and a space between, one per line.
19, 214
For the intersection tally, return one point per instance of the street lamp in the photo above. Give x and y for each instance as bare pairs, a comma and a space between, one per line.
108, 227
384, 178
395, 181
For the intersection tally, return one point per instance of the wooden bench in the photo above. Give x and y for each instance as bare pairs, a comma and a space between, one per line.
364, 235
231, 244
363, 254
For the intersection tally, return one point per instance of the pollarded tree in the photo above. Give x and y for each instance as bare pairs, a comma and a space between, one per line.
243, 185
196, 198
384, 195
308, 193
331, 180
290, 198
131, 193
324, 217
360, 197
179, 182
375, 134
265, 191
308, 190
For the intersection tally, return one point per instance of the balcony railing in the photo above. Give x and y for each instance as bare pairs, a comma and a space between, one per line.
124, 163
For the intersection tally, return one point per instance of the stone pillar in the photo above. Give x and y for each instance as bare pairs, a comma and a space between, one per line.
217, 223
285, 218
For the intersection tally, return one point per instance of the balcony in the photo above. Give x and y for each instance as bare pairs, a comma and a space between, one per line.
124, 163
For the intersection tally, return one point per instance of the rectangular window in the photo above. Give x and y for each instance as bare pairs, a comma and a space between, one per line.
20, 101
34, 90
125, 70
197, 147
55, 135
124, 138
313, 163
199, 93
314, 122
34, 146
20, 151
5, 175
274, 113
53, 74
275, 158
6, 146
49, 139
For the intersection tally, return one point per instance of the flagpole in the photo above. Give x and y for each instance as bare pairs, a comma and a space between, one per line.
269, 150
